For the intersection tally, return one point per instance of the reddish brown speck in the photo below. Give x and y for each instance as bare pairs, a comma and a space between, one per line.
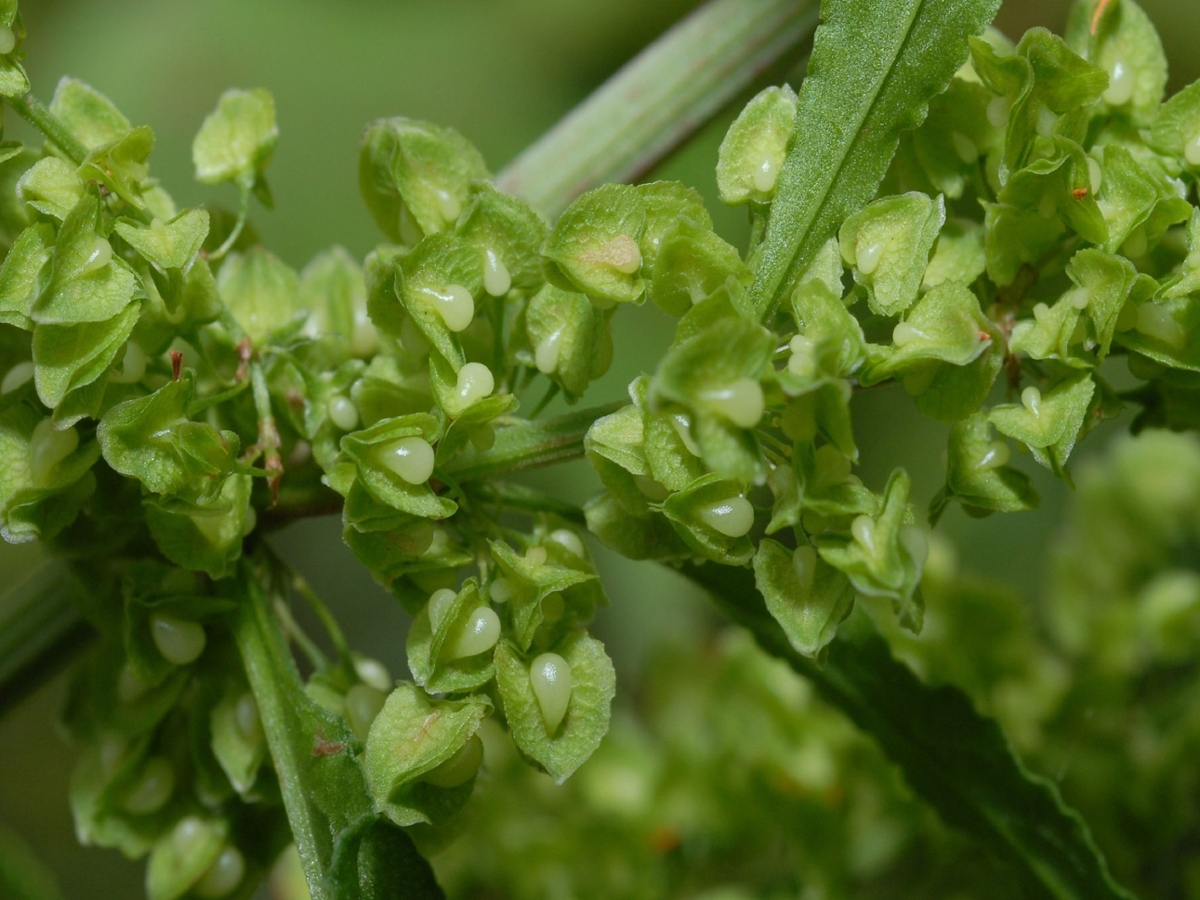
664, 839
323, 747
1079, 193
176, 364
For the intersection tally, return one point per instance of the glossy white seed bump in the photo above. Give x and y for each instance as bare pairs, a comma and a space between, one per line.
545, 354
550, 677
18, 375
363, 704
180, 642
1095, 175
47, 448
475, 381
412, 339
440, 602
185, 832
997, 111
374, 673
622, 254
497, 280
683, 427
741, 402
99, 256
1120, 84
1157, 322
862, 529
1080, 297
459, 768
651, 489
1031, 399
133, 365
439, 544
448, 204
1191, 151
454, 304
365, 339
766, 174
478, 636
801, 362
1047, 120
569, 540
966, 148
411, 458
501, 590
536, 556
153, 788
224, 875
906, 333
804, 562
342, 412
866, 256
8, 40
995, 455
732, 517
246, 718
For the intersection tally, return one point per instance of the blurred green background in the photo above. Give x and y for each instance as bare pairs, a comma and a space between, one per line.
500, 71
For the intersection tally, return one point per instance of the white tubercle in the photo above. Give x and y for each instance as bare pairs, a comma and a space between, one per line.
500, 591
766, 174
683, 427
454, 304
439, 544
551, 679
478, 636
997, 111
1095, 175
186, 831
475, 381
363, 704
245, 716
866, 256
1031, 399
622, 254
545, 354
459, 768
47, 448
153, 788
130, 688
98, 257
1157, 322
440, 602
133, 365
1046, 121
497, 280
740, 401
412, 339
365, 339
536, 556
1080, 297
801, 361
8, 40
569, 540
1120, 84
18, 375
804, 561
411, 458
179, 641
342, 412
966, 149
224, 875
913, 539
374, 673
994, 456
448, 204
1040, 312
732, 517
1191, 150
862, 529
906, 333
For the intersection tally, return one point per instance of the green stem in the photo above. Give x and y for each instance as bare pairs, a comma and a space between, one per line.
516, 496
39, 116
529, 444
658, 99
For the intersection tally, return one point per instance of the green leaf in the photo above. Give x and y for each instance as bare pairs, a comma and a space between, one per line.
68, 357
1124, 43
570, 338
1177, 127
51, 186
634, 537
19, 274
1138, 204
1103, 283
237, 139
754, 147
416, 177
239, 747
713, 518
260, 291
413, 735
693, 263
594, 246
593, 685
167, 245
334, 293
432, 284
205, 539
367, 449
807, 596
977, 473
957, 760
509, 236
89, 115
182, 856
531, 580
958, 254
888, 245
875, 66
1048, 425
427, 641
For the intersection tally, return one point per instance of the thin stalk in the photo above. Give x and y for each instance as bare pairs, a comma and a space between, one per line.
37, 114
658, 99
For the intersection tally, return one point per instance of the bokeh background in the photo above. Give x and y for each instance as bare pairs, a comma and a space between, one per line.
500, 71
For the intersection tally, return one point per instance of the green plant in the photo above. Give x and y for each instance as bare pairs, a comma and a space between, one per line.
936, 207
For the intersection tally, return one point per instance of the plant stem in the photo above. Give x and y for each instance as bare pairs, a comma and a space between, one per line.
658, 99
530, 444
37, 114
